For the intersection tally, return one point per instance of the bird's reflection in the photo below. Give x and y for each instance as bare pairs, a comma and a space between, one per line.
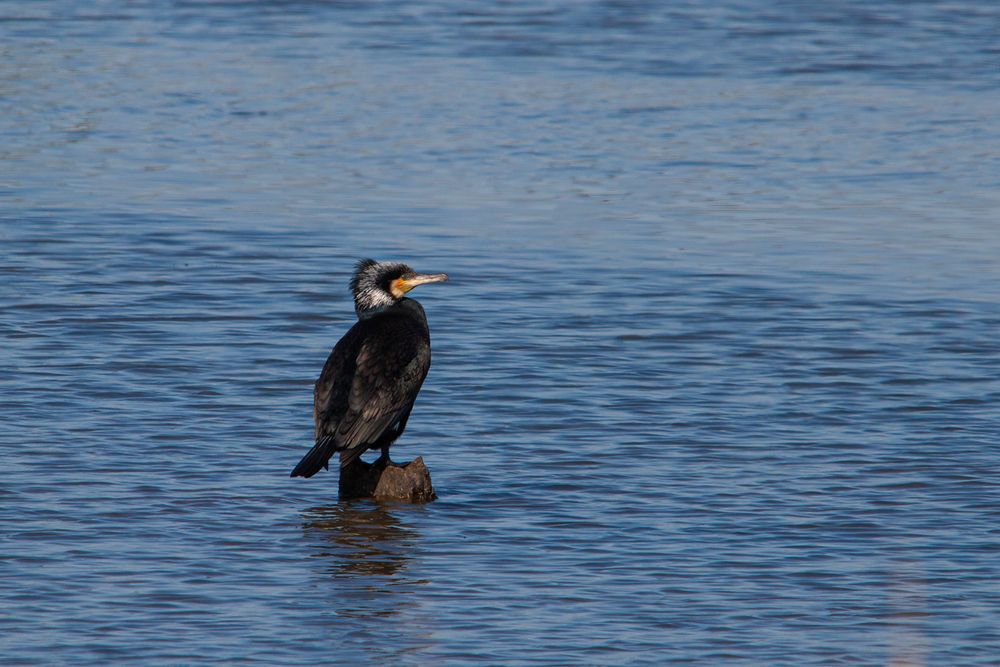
365, 552
363, 544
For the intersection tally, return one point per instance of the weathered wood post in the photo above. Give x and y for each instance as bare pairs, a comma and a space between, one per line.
382, 481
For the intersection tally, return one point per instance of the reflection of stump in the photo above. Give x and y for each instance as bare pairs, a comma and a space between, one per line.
399, 482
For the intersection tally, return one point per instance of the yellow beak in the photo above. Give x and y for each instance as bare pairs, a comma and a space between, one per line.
404, 285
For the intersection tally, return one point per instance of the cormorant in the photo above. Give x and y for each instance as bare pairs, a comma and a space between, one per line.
367, 388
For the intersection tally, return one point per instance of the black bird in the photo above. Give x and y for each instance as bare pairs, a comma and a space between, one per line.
367, 388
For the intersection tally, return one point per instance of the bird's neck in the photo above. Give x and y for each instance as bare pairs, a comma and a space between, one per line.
369, 313
370, 303
370, 310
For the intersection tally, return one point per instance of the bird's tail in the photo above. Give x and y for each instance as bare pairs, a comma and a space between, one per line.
318, 457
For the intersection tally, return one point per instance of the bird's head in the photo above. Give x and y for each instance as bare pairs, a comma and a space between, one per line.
378, 285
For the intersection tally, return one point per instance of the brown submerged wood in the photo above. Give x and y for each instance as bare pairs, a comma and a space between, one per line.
387, 481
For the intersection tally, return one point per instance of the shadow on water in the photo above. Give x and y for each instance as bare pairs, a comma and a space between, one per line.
365, 554
366, 549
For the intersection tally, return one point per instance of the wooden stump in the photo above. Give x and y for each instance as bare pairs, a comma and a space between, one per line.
387, 481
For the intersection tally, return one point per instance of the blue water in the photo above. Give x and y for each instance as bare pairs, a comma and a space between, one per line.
716, 378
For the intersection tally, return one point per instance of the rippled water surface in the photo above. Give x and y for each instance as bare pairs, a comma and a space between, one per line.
716, 378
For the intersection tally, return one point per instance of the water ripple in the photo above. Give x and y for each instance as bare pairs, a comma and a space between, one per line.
714, 380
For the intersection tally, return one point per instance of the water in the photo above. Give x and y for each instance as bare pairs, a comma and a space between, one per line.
715, 378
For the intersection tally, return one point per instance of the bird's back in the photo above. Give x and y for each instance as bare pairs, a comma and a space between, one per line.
372, 376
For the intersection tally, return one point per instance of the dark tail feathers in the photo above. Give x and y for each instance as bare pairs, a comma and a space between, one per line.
318, 457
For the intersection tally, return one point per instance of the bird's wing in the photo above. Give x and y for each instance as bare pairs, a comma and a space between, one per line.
388, 374
369, 383
334, 383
